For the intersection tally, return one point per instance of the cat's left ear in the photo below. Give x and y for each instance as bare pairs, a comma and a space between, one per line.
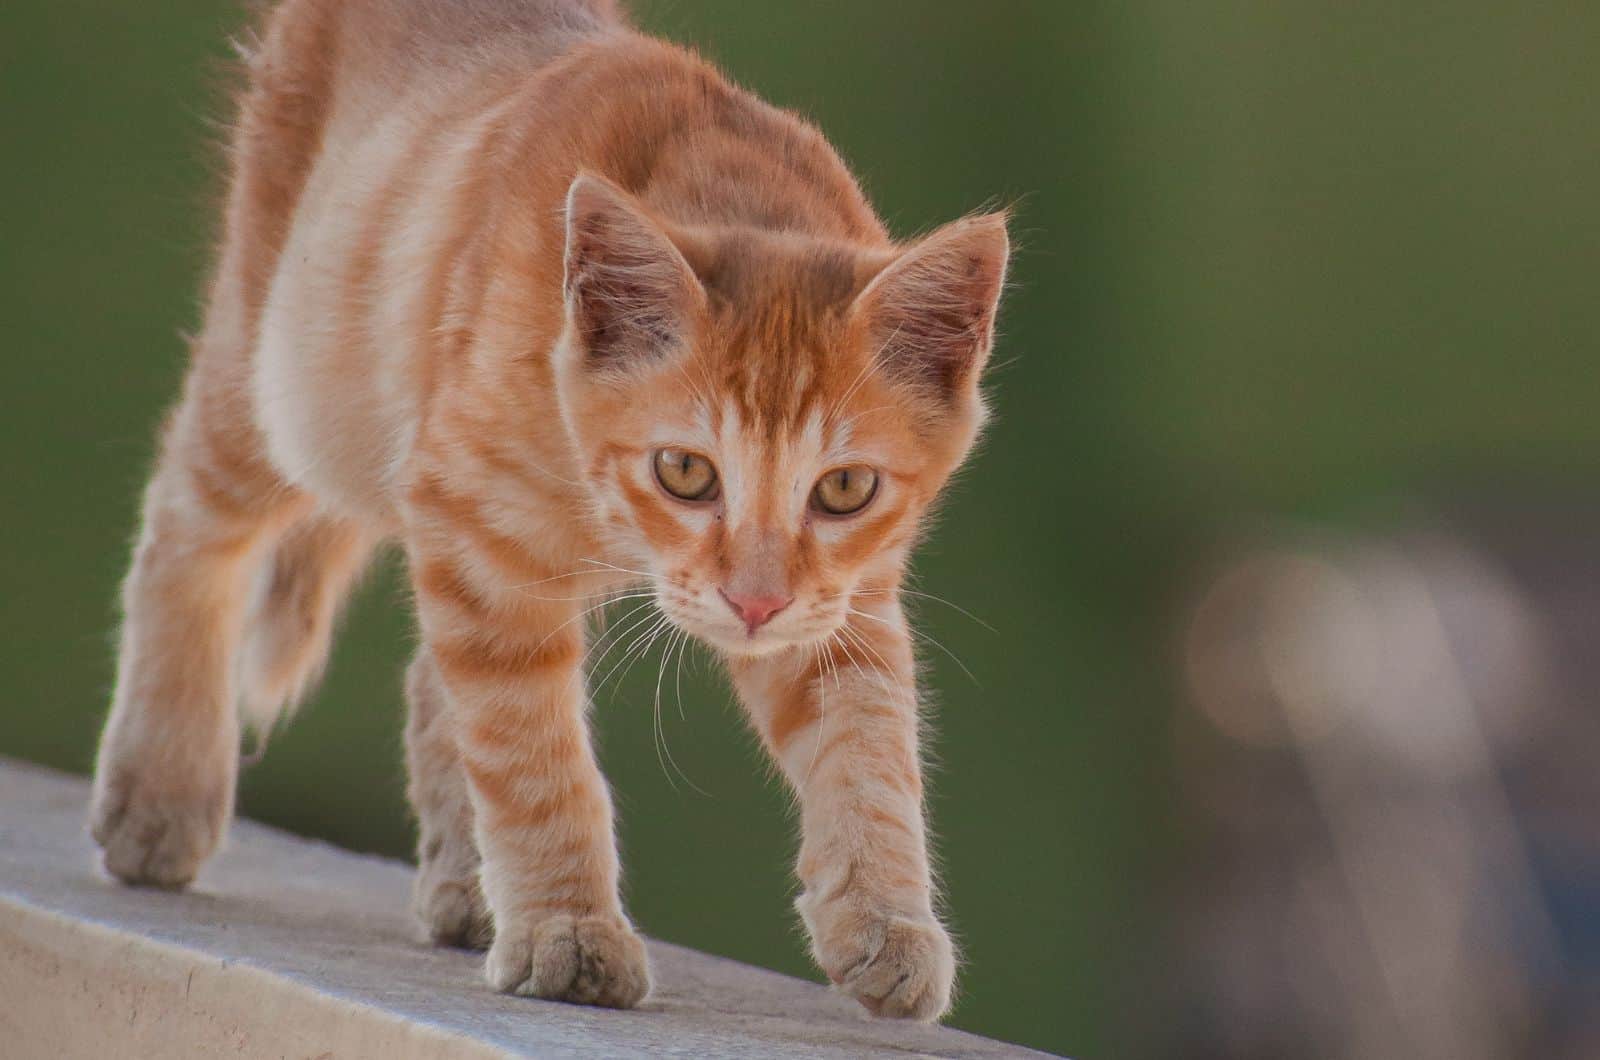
630, 294
930, 313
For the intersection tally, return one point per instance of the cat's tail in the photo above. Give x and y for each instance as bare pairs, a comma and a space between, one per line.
299, 590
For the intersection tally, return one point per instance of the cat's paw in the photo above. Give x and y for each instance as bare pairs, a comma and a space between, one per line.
448, 901
587, 961
895, 966
154, 832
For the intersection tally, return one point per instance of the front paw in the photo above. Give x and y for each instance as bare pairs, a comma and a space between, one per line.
899, 967
586, 961
156, 832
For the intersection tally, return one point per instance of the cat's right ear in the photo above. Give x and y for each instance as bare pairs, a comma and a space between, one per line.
630, 294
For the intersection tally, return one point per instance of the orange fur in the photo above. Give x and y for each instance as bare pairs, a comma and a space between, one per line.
482, 259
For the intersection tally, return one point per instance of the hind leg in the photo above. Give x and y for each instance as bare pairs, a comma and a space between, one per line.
289, 626
168, 757
446, 897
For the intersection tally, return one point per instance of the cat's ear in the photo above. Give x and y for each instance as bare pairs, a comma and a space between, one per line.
629, 292
929, 315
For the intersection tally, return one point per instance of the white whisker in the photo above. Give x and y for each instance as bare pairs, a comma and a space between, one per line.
903, 591
923, 637
679, 637
586, 612
615, 635
876, 361
635, 651
884, 671
822, 712
613, 567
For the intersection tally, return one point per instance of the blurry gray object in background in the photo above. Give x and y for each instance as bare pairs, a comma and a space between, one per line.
1378, 868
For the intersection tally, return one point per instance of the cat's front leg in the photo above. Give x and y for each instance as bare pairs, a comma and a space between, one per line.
841, 721
510, 664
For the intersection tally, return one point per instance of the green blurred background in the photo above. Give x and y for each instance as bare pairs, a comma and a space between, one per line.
1278, 261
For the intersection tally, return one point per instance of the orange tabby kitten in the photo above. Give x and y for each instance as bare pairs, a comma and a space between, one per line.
561, 310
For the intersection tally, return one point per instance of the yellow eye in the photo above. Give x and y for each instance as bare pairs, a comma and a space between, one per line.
845, 490
687, 476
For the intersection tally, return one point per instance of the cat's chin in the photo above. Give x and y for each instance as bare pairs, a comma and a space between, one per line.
743, 645
746, 646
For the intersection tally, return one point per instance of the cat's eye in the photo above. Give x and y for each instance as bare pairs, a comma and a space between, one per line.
686, 475
845, 490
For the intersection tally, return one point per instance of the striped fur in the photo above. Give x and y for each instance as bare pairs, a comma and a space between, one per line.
481, 260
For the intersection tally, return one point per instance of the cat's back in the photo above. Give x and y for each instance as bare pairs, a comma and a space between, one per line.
321, 75
361, 121
376, 24
403, 37
330, 52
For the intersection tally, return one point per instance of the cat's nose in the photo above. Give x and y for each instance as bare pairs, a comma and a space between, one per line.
755, 609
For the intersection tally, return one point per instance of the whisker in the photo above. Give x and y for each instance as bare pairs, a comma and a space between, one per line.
903, 591
657, 735
876, 361
850, 421
615, 635
559, 577
827, 658
635, 651
614, 626
702, 396
677, 677
612, 566
681, 638
822, 709
924, 637
884, 671
705, 375
604, 597
586, 612
850, 656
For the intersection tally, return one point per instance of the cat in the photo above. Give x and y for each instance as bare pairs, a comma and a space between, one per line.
568, 316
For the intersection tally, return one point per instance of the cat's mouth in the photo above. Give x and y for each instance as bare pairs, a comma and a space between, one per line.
795, 627
736, 640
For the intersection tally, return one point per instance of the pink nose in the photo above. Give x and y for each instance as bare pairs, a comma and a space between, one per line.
754, 609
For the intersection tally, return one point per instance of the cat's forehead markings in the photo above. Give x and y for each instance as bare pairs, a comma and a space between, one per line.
775, 384
797, 376
730, 425
705, 419
757, 467
764, 388
810, 440
734, 450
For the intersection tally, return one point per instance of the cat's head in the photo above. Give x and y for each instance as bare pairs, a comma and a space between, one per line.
762, 419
